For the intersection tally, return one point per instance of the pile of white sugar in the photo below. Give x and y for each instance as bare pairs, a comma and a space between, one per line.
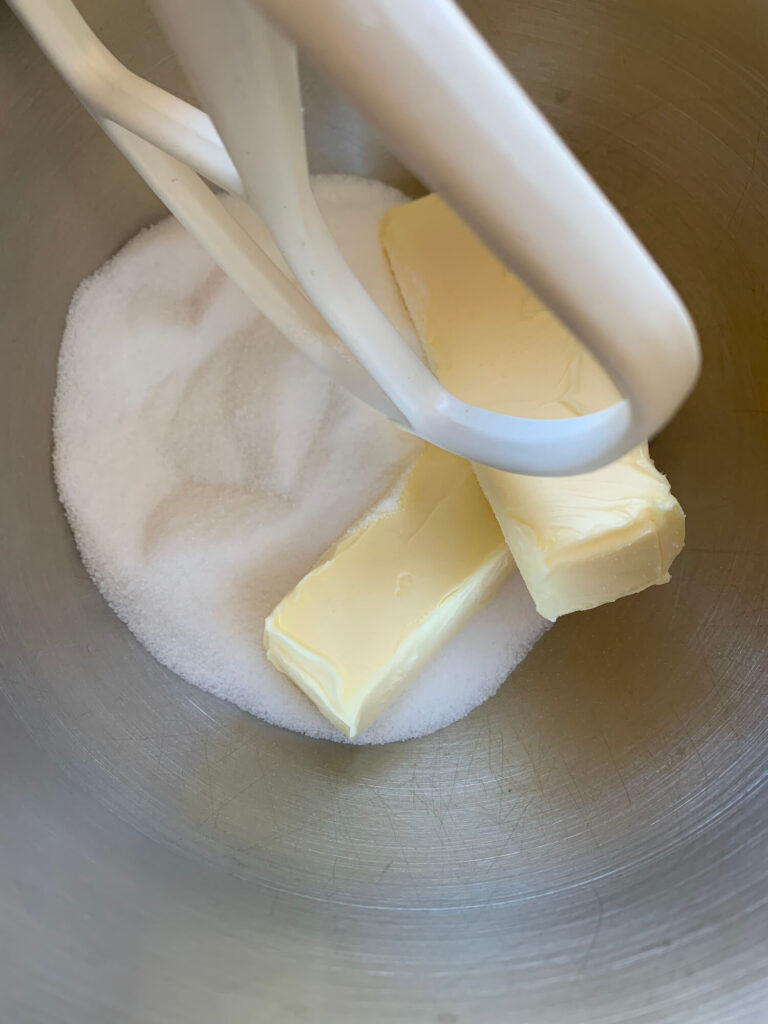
205, 465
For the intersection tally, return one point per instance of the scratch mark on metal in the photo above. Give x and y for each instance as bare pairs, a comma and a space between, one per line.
750, 176
624, 123
598, 926
615, 764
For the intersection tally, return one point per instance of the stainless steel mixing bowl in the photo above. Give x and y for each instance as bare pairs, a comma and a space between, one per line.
589, 846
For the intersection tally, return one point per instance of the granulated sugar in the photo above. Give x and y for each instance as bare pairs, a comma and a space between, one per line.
205, 465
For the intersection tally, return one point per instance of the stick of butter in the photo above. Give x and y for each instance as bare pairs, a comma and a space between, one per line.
578, 541
387, 596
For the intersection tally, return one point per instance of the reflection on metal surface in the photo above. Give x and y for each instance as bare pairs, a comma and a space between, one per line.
591, 844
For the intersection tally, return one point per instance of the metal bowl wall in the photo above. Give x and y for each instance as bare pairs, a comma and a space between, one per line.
589, 846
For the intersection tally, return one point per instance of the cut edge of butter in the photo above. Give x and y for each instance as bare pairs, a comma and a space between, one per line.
353, 670
589, 575
567, 573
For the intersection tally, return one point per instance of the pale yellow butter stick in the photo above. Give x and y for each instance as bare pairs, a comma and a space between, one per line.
578, 541
384, 599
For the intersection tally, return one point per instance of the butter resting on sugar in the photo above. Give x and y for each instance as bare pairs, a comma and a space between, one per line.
578, 541
390, 594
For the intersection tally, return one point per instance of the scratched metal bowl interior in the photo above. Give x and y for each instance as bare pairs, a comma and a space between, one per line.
591, 844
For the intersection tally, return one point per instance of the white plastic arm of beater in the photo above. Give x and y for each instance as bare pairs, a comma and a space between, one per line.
235, 245
110, 90
147, 125
455, 114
